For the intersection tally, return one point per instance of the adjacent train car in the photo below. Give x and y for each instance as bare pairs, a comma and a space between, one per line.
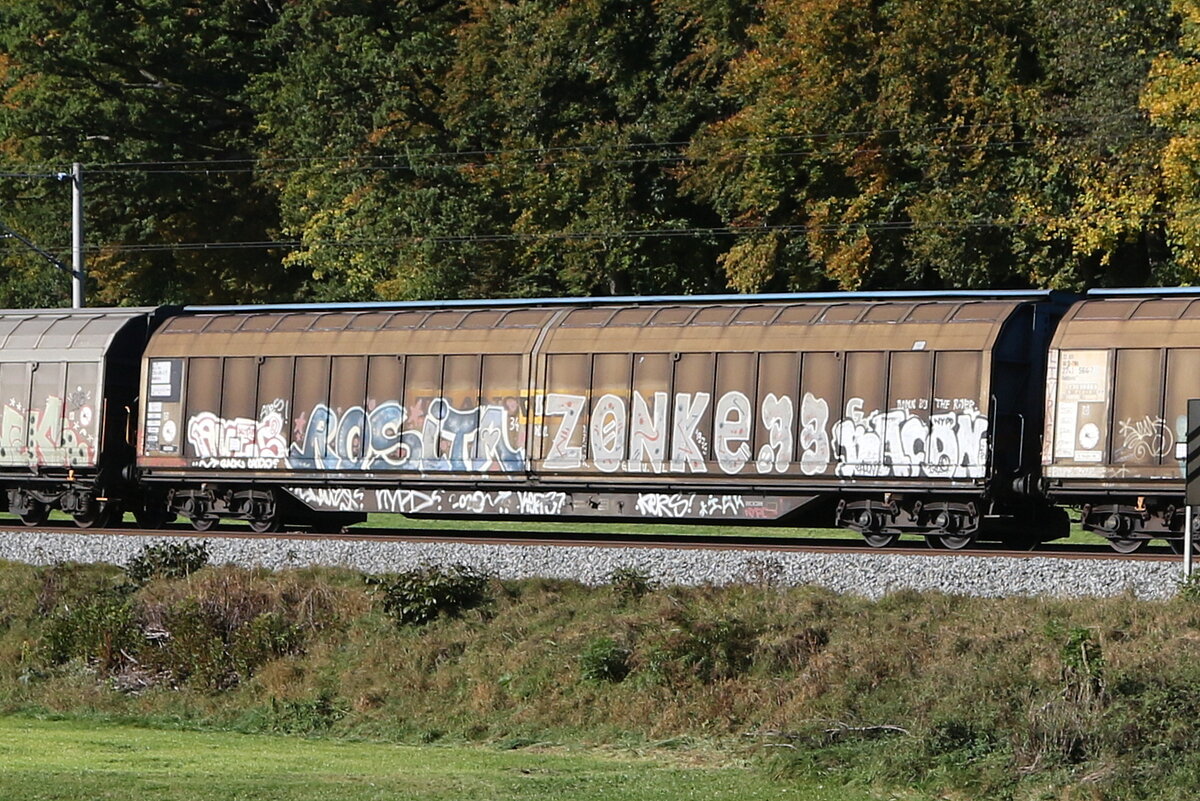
886, 413
69, 383
1121, 369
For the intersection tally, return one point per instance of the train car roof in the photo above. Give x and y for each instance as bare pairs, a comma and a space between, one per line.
793, 297
68, 334
1143, 291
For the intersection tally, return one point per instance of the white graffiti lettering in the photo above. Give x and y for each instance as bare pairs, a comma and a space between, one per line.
897, 443
449, 439
217, 437
1144, 439
777, 415
648, 438
608, 433
658, 504
731, 439
686, 442
814, 415
563, 455
721, 505
541, 503
341, 499
407, 501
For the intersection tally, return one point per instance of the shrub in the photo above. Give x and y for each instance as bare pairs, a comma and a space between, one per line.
422, 595
269, 636
101, 630
1189, 588
191, 647
167, 560
306, 716
221, 627
711, 650
603, 660
629, 584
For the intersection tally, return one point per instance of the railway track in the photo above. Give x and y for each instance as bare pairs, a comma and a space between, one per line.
847, 545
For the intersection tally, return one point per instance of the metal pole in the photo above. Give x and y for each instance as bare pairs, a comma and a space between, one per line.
77, 274
1187, 543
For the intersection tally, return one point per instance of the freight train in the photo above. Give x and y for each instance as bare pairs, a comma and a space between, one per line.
956, 416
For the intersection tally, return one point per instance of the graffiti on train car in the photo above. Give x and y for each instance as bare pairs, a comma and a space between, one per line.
57, 434
949, 441
240, 442
548, 503
652, 434
440, 437
1143, 439
948, 444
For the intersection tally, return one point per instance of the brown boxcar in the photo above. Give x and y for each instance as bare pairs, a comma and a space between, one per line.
1121, 369
887, 413
68, 379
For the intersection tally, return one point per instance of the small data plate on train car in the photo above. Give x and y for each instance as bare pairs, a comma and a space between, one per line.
1193, 453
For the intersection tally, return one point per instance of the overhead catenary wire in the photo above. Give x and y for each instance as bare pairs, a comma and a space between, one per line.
583, 236
414, 159
584, 155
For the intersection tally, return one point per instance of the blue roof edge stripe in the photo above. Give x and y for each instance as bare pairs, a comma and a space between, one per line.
1145, 290
979, 294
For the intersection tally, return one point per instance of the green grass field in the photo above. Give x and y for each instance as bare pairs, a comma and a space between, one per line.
67, 760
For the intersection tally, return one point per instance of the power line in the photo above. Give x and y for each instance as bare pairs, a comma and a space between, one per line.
261, 164
650, 233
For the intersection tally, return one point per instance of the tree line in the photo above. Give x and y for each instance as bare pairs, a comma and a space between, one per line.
348, 150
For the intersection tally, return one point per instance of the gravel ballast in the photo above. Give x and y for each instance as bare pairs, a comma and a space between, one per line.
868, 574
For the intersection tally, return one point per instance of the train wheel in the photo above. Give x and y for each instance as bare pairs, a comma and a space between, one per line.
951, 542
1128, 544
881, 540
204, 523
35, 515
264, 525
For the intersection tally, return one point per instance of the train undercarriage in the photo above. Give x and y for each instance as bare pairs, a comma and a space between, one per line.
1129, 524
953, 522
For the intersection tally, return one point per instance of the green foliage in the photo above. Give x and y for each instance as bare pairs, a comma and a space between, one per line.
954, 145
306, 716
167, 559
101, 630
708, 650
630, 584
422, 595
528, 148
139, 93
210, 632
1083, 664
1171, 99
603, 660
1189, 588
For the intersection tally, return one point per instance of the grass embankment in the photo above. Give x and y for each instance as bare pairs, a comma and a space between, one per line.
994, 698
